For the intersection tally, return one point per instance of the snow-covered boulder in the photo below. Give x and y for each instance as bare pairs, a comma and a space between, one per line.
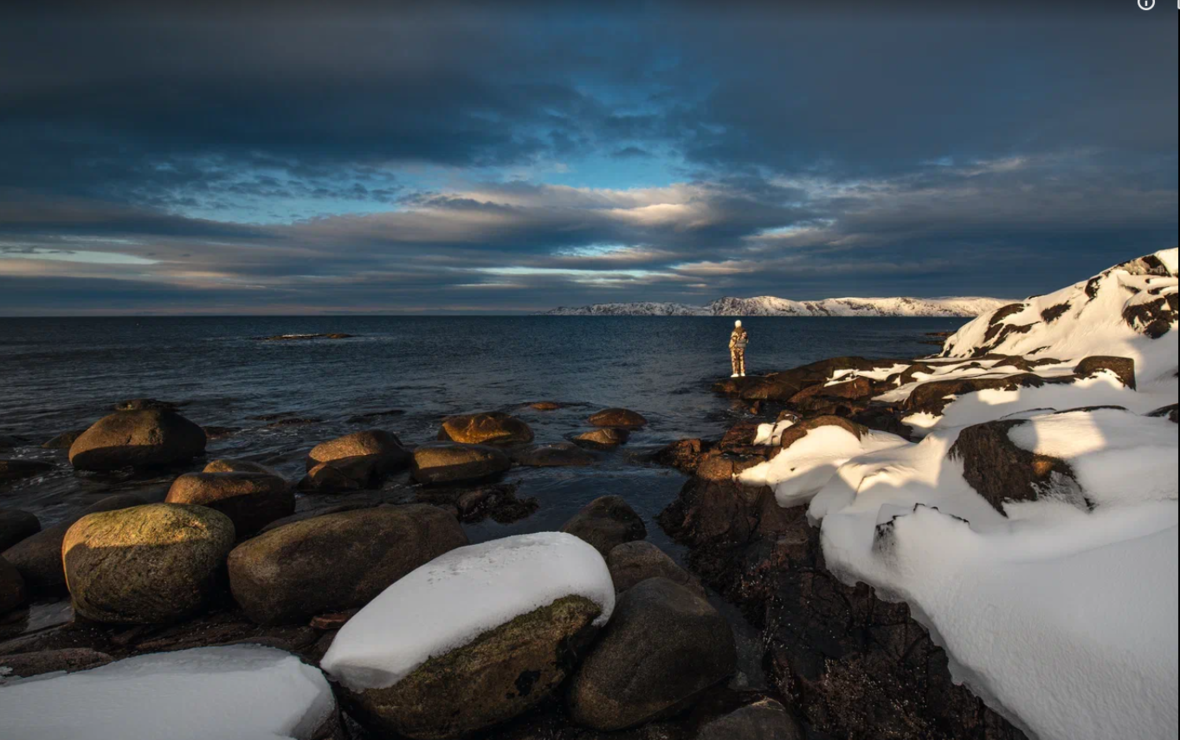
1127, 311
244, 692
664, 646
476, 637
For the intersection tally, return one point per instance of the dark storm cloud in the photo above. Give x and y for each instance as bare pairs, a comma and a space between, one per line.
453, 158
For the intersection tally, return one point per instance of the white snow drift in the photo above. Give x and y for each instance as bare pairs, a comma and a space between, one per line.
244, 692
455, 598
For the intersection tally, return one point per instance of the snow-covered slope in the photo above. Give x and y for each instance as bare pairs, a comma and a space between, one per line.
1127, 311
771, 306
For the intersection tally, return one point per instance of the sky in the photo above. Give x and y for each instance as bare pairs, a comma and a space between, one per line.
463, 158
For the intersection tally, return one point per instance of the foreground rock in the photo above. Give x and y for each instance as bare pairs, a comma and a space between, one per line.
663, 648
251, 498
12, 588
16, 525
1002, 472
355, 461
336, 562
764, 720
38, 557
633, 563
145, 564
606, 438
212, 693
448, 462
618, 418
492, 428
139, 439
12, 470
558, 455
415, 664
606, 523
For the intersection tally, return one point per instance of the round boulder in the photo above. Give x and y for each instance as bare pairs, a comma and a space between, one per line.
251, 500
12, 587
146, 438
449, 462
621, 418
606, 438
763, 720
38, 557
633, 563
662, 649
16, 525
559, 455
146, 564
606, 523
355, 461
545, 406
485, 429
336, 562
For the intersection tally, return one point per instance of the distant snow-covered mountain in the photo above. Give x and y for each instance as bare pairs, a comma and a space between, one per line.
771, 306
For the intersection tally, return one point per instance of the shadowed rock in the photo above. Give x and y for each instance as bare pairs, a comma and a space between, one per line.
450, 462
1122, 367
12, 587
663, 647
63, 441
16, 525
38, 557
1167, 412
606, 438
140, 439
250, 499
65, 660
493, 428
354, 461
336, 562
12, 470
633, 563
764, 720
146, 564
618, 418
558, 455
933, 398
607, 523
797, 432
849, 390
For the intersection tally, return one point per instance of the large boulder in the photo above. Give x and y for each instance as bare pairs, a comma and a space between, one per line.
606, 523
16, 525
763, 720
450, 462
444, 671
619, 418
11, 470
558, 455
1000, 471
140, 439
250, 499
336, 562
38, 557
489, 428
606, 438
633, 563
146, 564
663, 647
355, 461
12, 588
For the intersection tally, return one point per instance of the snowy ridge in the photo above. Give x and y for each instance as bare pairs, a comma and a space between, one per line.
771, 306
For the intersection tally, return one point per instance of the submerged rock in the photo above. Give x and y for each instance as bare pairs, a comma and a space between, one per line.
545, 406
606, 523
16, 525
336, 562
492, 428
663, 647
618, 418
560, 454
606, 438
450, 462
145, 564
38, 557
473, 505
147, 438
251, 499
12, 470
145, 404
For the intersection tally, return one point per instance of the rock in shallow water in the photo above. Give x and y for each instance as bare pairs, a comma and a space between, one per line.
663, 648
486, 428
146, 564
16, 525
146, 438
250, 499
618, 418
560, 454
12, 470
448, 462
336, 562
606, 438
355, 461
606, 523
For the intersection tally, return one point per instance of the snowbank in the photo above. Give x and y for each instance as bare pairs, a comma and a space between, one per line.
453, 599
772, 434
245, 692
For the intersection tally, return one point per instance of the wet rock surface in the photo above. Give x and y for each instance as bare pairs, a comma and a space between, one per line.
494, 428
447, 462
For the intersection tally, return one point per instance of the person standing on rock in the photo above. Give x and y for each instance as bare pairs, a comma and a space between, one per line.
737, 349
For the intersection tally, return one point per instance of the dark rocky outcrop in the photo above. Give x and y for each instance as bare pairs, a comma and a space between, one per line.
64, 660
633, 563
606, 523
473, 505
848, 390
797, 432
251, 498
500, 675
618, 418
336, 562
558, 455
13, 470
1167, 412
933, 398
492, 428
38, 557
139, 439
355, 461
783, 386
1153, 318
763, 720
16, 525
449, 462
684, 455
145, 564
12, 587
606, 438
664, 646
1000, 471
1122, 367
